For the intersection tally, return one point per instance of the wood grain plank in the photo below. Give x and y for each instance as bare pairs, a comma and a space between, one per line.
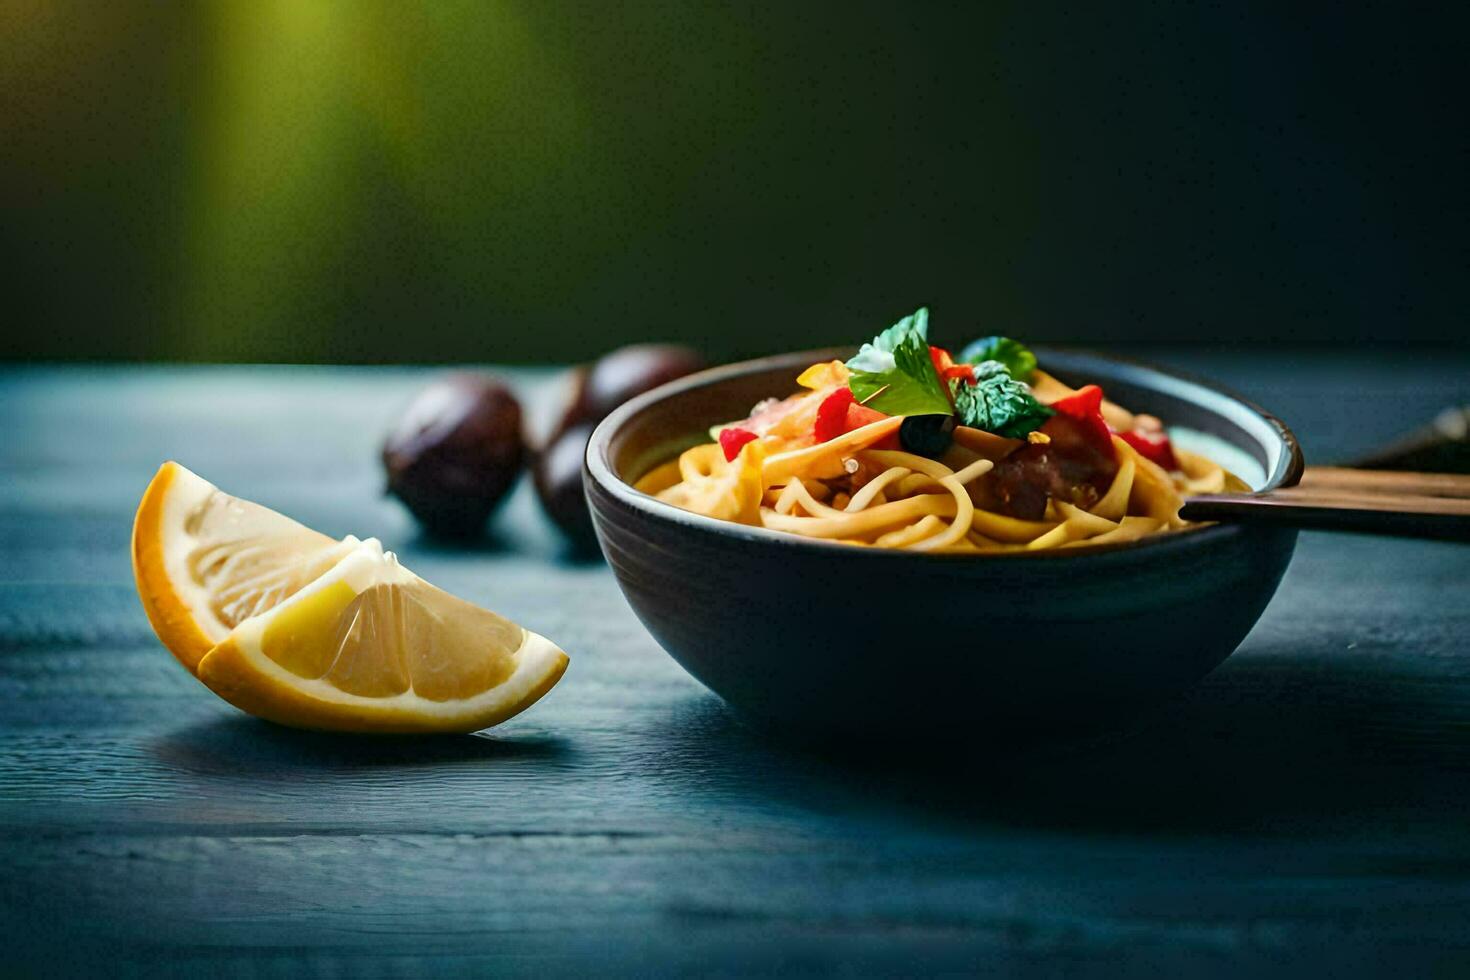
1303, 807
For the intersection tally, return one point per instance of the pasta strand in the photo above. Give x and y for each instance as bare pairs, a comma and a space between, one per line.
846, 489
863, 522
875, 486
780, 466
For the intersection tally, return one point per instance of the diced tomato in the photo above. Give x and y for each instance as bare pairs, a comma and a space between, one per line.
1152, 446
840, 413
861, 415
733, 439
831, 419
1085, 405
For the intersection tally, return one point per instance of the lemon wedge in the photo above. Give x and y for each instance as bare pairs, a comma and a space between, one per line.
287, 624
205, 561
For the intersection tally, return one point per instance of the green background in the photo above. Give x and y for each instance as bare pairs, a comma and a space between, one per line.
322, 180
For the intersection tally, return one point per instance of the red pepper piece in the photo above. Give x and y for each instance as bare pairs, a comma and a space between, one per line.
1081, 403
948, 370
965, 372
733, 439
1085, 405
832, 415
1152, 446
942, 359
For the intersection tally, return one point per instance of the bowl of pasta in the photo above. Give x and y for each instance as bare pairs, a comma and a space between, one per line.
905, 540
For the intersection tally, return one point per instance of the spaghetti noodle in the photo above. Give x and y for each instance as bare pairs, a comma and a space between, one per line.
1011, 460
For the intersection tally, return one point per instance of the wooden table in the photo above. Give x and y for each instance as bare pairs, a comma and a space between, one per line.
1305, 807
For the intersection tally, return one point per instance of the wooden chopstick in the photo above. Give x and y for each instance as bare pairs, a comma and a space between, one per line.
1413, 503
1383, 481
1428, 505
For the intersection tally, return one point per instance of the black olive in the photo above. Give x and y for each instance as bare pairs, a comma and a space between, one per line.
455, 453
927, 435
558, 478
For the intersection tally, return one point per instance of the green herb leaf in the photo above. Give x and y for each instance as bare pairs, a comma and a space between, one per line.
1018, 360
997, 402
895, 375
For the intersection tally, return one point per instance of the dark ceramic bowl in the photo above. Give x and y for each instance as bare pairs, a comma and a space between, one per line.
832, 638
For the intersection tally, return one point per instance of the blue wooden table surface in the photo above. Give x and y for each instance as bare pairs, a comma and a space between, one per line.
1305, 807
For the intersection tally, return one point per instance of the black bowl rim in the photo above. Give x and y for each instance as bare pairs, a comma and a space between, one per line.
598, 467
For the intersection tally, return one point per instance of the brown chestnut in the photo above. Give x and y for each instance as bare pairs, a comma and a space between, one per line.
551, 415
626, 372
455, 453
558, 478
595, 392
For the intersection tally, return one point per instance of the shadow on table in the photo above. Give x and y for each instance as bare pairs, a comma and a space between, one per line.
489, 541
239, 745
1268, 747
540, 541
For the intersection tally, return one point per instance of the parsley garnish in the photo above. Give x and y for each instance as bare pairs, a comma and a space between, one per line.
1013, 355
997, 402
895, 374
